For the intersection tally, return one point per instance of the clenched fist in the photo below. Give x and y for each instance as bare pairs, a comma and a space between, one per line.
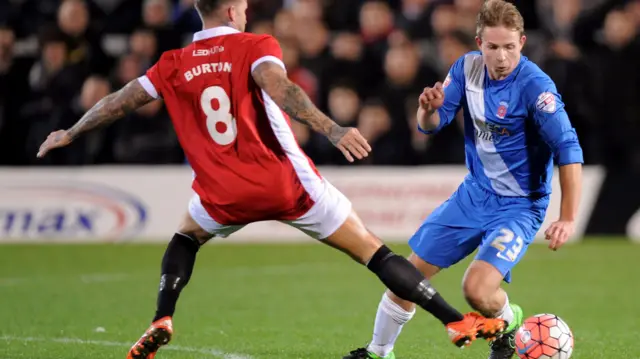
432, 98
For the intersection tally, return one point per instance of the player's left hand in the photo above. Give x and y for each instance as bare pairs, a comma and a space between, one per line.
559, 233
55, 139
350, 142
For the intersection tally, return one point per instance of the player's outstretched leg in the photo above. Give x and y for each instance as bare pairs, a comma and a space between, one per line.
177, 267
483, 292
405, 281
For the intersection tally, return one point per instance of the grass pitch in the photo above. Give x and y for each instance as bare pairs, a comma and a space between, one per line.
287, 301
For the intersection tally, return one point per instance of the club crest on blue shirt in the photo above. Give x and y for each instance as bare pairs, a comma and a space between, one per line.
502, 110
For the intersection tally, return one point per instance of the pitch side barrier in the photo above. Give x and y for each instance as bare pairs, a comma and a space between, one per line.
145, 203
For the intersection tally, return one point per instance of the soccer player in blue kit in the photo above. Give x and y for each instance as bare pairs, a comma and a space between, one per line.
515, 126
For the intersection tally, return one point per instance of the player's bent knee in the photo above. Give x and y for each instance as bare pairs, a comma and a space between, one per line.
190, 228
476, 295
480, 283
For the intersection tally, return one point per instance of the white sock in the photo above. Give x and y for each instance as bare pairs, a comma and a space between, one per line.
506, 312
389, 322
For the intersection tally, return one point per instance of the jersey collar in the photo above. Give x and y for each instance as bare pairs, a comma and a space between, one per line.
213, 32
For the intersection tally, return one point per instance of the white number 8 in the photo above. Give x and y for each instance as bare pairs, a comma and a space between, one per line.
220, 123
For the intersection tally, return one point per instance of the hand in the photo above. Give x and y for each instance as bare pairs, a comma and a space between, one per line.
558, 233
350, 142
55, 139
432, 98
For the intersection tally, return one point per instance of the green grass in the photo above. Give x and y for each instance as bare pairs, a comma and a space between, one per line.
287, 301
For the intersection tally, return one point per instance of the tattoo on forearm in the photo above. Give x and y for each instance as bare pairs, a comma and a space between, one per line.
111, 108
295, 102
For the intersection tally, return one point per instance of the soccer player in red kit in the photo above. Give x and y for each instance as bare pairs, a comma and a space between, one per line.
230, 102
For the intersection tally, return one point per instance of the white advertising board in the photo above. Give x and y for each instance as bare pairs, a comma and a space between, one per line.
136, 203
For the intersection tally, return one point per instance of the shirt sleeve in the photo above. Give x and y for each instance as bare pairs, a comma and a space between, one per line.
266, 49
453, 91
155, 77
546, 108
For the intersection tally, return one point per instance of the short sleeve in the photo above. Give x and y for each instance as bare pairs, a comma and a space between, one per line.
154, 79
266, 49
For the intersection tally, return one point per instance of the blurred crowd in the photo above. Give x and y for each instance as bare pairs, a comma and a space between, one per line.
364, 62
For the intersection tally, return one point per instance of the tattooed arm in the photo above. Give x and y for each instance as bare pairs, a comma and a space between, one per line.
111, 108
106, 111
272, 78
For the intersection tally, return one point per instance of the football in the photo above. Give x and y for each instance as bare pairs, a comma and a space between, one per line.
544, 336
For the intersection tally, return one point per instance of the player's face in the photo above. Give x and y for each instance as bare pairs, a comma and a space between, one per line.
501, 48
239, 14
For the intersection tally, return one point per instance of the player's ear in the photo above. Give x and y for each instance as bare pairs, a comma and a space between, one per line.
523, 39
479, 42
231, 13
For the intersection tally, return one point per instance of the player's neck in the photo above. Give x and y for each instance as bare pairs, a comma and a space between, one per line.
212, 23
496, 77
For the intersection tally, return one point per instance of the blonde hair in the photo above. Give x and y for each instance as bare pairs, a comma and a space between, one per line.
499, 13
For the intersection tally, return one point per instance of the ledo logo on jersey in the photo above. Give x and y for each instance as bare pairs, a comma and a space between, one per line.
69, 210
208, 52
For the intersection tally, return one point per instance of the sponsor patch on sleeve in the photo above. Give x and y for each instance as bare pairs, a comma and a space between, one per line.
447, 81
546, 102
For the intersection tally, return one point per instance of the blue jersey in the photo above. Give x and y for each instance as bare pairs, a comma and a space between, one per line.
513, 128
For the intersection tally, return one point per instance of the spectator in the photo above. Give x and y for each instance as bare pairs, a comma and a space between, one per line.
156, 16
55, 55
14, 89
143, 44
83, 43
615, 92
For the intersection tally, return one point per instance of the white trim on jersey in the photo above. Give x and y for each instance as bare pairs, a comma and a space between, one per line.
148, 86
265, 59
495, 168
214, 32
312, 183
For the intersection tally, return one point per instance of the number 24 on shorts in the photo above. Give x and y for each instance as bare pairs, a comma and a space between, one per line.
505, 240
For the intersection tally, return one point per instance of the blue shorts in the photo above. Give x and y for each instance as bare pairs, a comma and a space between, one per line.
500, 227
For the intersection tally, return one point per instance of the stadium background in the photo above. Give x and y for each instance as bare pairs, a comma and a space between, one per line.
362, 62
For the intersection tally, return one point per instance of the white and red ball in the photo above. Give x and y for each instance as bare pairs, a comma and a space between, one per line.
544, 336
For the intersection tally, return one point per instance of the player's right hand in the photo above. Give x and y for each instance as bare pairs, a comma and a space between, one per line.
350, 142
55, 139
432, 98
559, 233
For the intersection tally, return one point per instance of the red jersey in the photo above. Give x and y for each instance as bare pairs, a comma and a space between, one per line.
248, 166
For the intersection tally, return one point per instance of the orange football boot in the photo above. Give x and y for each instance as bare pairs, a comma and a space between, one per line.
474, 326
158, 334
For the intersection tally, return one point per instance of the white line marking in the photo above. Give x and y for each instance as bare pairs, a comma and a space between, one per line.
207, 351
104, 277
